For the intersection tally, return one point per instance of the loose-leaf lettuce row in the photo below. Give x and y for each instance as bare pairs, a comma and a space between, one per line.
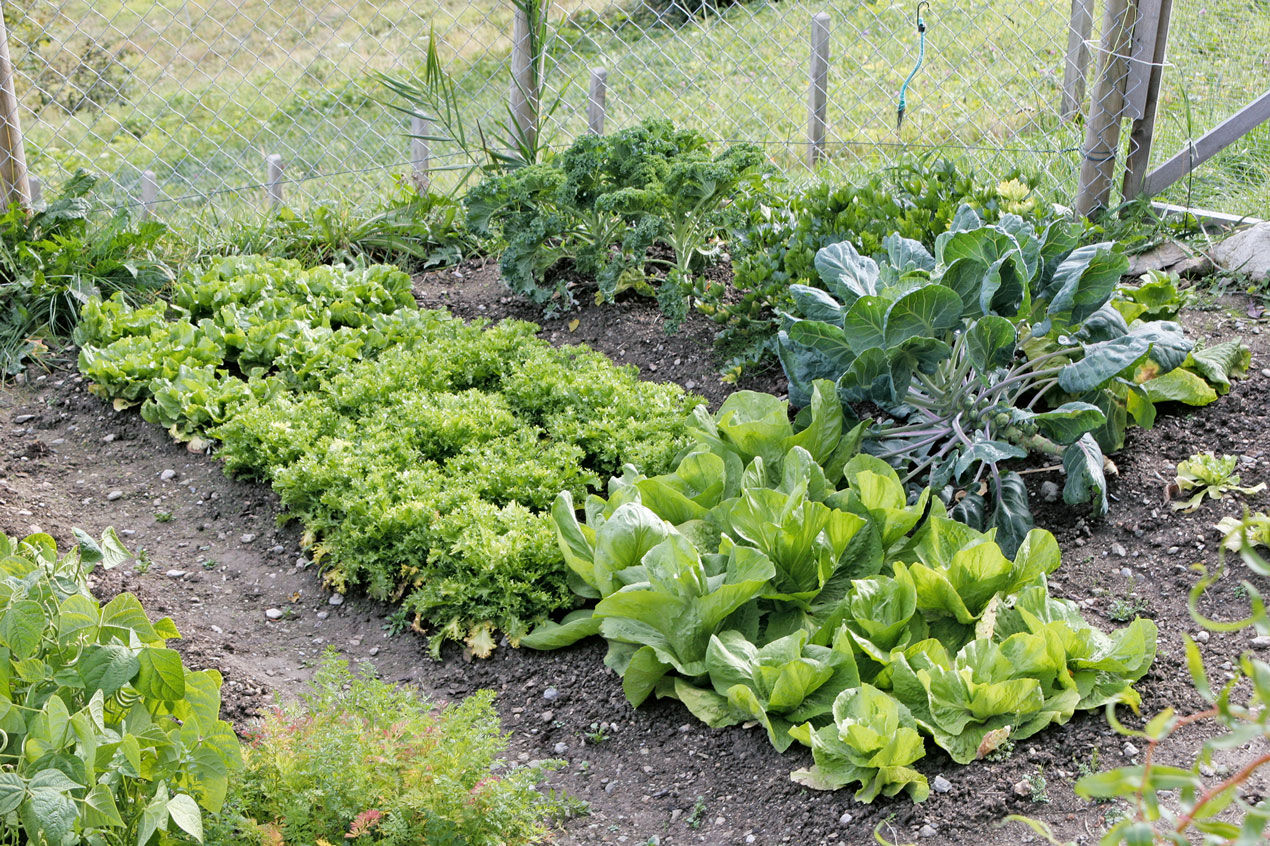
422, 454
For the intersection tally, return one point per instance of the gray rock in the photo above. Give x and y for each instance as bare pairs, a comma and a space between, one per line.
547, 716
322, 615
175, 574
1126, 572
274, 613
551, 694
561, 748
168, 475
277, 549
374, 650
336, 599
1261, 642
610, 787
1202, 636
845, 819
248, 537
1247, 251
23, 418
1049, 491
109, 439
1130, 751
941, 784
114, 495
928, 830
1118, 550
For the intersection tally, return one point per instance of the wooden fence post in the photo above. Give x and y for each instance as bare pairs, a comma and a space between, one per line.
818, 96
13, 172
420, 153
273, 180
1209, 144
1143, 131
595, 102
524, 90
1102, 128
149, 194
1077, 62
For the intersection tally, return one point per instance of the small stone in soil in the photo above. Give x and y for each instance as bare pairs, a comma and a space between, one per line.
23, 418
928, 830
374, 650
277, 549
336, 599
1049, 491
1118, 550
114, 495
248, 537
168, 475
274, 613
1126, 572
109, 439
941, 784
1130, 751
1261, 642
547, 716
561, 748
322, 615
551, 694
845, 819
1201, 636
174, 574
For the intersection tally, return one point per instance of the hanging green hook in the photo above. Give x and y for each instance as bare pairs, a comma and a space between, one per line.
921, 54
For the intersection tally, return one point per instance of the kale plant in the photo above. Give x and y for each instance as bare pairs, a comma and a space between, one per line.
604, 203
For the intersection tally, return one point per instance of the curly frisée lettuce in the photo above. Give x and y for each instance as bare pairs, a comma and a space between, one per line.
421, 453
777, 578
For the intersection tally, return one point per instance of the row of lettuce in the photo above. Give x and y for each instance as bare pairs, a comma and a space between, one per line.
107, 738
419, 452
752, 567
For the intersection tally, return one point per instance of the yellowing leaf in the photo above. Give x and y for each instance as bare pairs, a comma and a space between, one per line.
573, 324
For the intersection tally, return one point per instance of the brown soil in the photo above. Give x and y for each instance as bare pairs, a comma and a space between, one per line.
653, 771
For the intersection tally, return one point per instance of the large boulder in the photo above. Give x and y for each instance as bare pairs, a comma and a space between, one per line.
1247, 252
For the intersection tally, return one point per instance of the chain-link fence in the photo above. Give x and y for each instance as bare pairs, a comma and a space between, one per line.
201, 92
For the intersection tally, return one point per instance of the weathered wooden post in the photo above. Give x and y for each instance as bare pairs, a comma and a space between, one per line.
818, 96
273, 180
420, 153
13, 172
1077, 61
1148, 46
149, 194
1102, 128
524, 90
595, 105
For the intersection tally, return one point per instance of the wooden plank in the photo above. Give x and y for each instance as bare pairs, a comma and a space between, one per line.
1076, 64
1102, 128
818, 96
1210, 144
13, 173
1143, 133
1142, 58
595, 101
1207, 216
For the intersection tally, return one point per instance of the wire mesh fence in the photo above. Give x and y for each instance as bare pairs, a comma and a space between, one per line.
201, 92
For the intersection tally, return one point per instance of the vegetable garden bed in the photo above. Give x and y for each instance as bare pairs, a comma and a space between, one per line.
220, 563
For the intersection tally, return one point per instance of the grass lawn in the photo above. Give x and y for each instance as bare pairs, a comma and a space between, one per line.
209, 87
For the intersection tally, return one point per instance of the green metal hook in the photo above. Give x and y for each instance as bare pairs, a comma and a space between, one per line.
921, 54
